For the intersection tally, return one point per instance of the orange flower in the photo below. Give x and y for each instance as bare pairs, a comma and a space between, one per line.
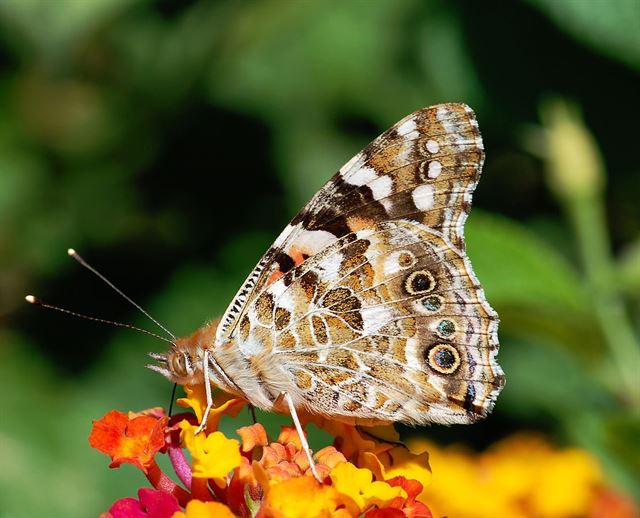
252, 436
409, 506
388, 512
135, 440
351, 441
280, 460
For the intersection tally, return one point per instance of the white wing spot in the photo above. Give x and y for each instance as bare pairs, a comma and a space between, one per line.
397, 261
331, 266
435, 168
406, 127
362, 176
423, 197
432, 146
448, 124
374, 317
312, 241
381, 187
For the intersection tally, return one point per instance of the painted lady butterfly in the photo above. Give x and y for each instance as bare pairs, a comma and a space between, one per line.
366, 309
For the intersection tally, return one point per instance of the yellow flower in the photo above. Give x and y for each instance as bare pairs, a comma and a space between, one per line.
197, 509
224, 404
214, 456
357, 485
399, 462
301, 497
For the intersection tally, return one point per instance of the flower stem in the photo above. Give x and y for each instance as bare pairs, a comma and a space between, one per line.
161, 481
200, 489
577, 175
593, 240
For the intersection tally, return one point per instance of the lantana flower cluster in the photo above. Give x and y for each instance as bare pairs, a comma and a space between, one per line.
522, 476
253, 476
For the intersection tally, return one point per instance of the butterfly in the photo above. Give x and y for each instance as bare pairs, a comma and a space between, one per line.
366, 309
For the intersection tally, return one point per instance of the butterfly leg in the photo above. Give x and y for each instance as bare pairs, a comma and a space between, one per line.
303, 438
207, 389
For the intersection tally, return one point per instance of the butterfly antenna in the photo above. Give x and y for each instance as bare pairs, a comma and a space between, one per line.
84, 263
36, 301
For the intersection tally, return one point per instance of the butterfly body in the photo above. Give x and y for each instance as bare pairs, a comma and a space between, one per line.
366, 309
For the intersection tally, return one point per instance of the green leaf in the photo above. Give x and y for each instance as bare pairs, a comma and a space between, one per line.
536, 292
609, 26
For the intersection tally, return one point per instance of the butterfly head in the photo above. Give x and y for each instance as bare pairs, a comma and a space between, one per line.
182, 364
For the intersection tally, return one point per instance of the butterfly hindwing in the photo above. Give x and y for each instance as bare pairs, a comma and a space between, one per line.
386, 324
424, 169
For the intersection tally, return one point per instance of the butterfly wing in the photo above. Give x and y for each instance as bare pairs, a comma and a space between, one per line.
387, 323
423, 169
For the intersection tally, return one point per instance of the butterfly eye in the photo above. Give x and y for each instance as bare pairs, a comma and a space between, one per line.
443, 358
180, 363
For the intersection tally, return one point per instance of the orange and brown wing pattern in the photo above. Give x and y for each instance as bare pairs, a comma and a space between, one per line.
386, 324
424, 169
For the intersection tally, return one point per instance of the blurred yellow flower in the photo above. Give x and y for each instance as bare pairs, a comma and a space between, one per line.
520, 477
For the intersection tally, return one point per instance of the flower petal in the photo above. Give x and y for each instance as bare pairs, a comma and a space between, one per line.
128, 440
356, 484
330, 457
252, 436
385, 513
126, 508
151, 503
223, 404
399, 461
300, 497
198, 509
214, 456
158, 504
289, 435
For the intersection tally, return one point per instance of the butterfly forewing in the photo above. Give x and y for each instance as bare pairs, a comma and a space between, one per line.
424, 168
367, 300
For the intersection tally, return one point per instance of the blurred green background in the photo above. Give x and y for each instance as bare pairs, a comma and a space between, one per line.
170, 141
